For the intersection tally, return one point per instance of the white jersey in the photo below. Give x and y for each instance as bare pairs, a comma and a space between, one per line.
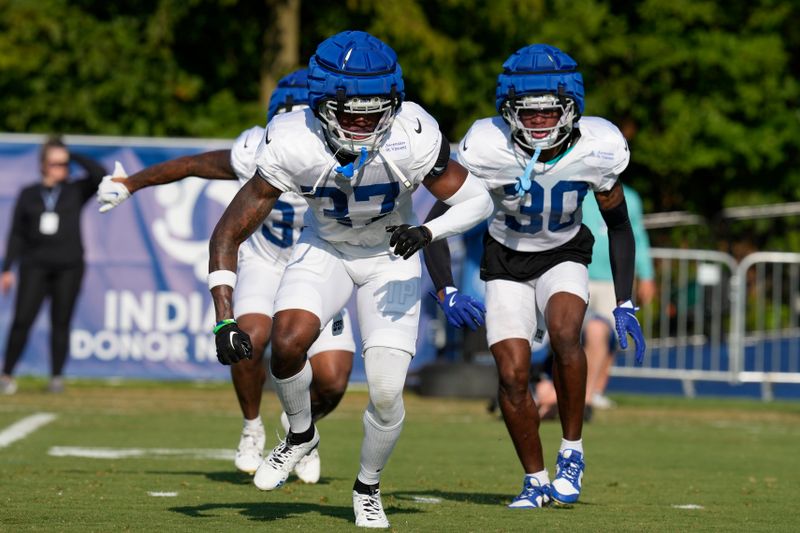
550, 213
275, 238
264, 256
352, 214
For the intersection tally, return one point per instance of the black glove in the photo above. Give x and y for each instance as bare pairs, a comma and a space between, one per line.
233, 344
408, 240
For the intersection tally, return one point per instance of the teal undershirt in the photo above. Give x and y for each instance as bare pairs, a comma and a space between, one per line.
600, 268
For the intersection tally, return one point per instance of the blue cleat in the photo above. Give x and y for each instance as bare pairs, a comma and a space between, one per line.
566, 487
533, 495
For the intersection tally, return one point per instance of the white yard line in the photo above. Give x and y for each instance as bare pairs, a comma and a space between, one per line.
21, 429
135, 453
688, 506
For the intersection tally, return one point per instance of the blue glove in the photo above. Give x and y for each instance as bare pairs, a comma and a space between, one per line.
461, 309
627, 324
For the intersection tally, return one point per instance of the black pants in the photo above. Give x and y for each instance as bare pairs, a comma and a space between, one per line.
62, 286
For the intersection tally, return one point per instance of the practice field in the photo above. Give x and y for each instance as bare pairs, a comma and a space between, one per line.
158, 457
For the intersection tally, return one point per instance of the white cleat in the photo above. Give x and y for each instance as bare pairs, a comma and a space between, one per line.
251, 450
7, 386
369, 510
274, 470
309, 468
601, 401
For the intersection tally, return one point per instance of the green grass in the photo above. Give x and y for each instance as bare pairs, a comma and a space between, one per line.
737, 459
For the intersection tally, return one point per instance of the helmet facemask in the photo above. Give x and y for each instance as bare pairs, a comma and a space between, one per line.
336, 114
543, 138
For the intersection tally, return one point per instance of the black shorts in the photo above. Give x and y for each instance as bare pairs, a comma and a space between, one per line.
501, 262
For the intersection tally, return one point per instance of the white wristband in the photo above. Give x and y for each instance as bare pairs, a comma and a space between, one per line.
221, 277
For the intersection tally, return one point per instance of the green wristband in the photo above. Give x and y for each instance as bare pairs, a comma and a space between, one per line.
222, 323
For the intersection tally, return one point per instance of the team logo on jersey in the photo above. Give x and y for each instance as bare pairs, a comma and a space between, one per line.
177, 232
418, 129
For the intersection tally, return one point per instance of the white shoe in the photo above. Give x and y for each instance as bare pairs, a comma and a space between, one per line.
600, 401
251, 450
273, 471
7, 385
309, 468
369, 510
56, 385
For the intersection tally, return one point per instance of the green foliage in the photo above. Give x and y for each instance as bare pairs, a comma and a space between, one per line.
705, 91
98, 68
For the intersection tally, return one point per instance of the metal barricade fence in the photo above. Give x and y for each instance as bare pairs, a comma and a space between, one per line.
766, 318
713, 319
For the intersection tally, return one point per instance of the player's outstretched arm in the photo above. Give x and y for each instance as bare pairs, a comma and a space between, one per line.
469, 201
214, 165
117, 187
622, 251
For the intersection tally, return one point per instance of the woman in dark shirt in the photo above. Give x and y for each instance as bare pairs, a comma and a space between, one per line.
45, 239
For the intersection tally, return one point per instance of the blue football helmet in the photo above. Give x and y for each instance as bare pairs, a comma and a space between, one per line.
355, 73
540, 77
290, 94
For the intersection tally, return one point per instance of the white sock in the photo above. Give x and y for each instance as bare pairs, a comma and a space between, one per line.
576, 445
254, 424
295, 397
542, 477
376, 448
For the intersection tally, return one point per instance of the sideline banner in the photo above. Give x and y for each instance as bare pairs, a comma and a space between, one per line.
144, 310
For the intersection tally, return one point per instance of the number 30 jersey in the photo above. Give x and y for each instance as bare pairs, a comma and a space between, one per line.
279, 232
351, 213
549, 214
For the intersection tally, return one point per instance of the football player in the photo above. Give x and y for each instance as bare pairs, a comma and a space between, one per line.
356, 155
262, 260
538, 158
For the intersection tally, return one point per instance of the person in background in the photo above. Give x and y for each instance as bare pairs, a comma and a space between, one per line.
45, 240
599, 341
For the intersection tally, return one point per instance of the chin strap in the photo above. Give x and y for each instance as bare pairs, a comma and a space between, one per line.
397, 172
524, 182
348, 170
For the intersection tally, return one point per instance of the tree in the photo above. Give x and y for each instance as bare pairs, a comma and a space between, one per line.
705, 91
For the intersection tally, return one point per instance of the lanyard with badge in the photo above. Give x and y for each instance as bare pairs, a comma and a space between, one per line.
48, 222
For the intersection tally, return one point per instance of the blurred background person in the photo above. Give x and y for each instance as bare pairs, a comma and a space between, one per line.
45, 239
599, 340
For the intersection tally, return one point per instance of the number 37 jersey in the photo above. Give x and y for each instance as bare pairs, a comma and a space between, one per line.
279, 232
549, 214
351, 213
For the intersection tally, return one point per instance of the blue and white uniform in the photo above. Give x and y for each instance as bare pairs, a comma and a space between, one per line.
264, 256
346, 244
543, 225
